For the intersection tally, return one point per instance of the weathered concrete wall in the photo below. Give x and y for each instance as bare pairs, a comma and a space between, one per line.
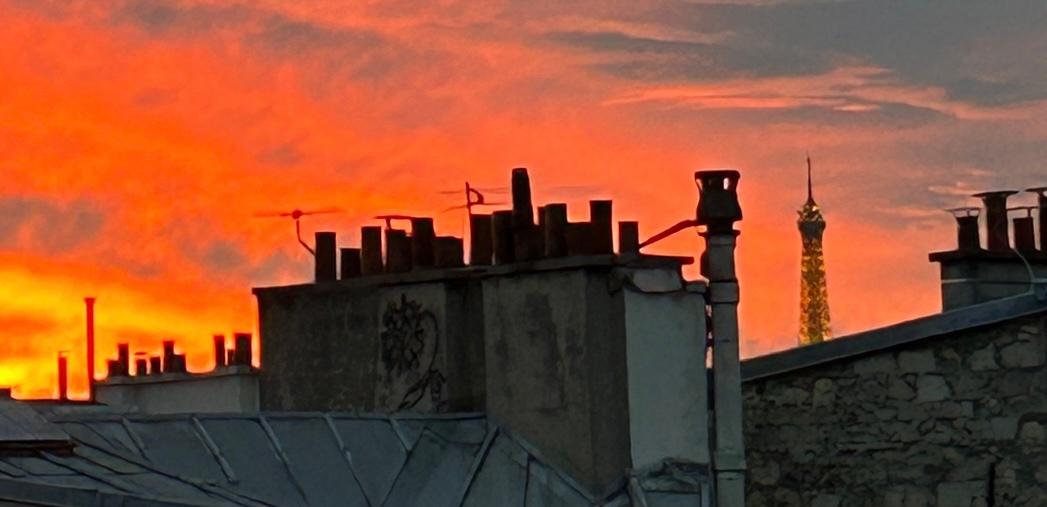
976, 280
227, 390
376, 347
665, 350
555, 348
957, 420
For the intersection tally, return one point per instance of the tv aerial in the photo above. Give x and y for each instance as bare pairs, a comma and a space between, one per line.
296, 215
475, 197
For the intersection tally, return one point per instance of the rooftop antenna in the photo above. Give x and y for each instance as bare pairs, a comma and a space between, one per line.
389, 219
474, 197
296, 215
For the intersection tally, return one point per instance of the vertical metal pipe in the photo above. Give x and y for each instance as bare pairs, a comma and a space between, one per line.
480, 240
326, 257
89, 303
718, 210
63, 377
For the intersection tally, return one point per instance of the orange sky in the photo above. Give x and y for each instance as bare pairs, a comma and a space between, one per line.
138, 138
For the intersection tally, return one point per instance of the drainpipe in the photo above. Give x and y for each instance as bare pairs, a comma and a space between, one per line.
718, 209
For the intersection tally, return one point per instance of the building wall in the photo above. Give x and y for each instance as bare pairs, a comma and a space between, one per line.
371, 346
227, 390
957, 420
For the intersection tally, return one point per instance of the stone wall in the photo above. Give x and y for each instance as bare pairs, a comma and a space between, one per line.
957, 420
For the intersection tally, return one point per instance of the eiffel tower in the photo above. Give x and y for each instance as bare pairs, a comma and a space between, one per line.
814, 296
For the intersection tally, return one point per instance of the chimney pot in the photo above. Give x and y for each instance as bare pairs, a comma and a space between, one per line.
423, 238
628, 237
555, 229
326, 257
243, 353
480, 243
1024, 230
371, 250
123, 359
996, 219
63, 377
502, 232
523, 213
397, 251
448, 252
600, 215
141, 366
968, 237
1041, 206
155, 365
219, 350
169, 352
350, 263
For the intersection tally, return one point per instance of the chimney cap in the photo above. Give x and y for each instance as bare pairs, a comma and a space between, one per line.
1027, 209
965, 211
995, 193
1037, 190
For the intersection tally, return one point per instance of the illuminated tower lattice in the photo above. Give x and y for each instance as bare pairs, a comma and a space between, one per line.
814, 296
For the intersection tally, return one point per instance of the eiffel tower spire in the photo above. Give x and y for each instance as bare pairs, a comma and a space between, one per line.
814, 294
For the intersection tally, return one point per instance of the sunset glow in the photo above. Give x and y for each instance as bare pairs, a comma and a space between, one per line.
139, 138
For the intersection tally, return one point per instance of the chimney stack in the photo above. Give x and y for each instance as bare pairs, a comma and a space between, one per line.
968, 238
89, 303
1041, 205
996, 219
326, 257
63, 377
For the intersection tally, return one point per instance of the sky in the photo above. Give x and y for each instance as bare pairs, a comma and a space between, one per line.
138, 138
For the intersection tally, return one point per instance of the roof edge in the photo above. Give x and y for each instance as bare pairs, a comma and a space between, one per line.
910, 331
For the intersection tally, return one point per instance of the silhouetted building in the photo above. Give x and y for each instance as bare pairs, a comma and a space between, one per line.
814, 294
